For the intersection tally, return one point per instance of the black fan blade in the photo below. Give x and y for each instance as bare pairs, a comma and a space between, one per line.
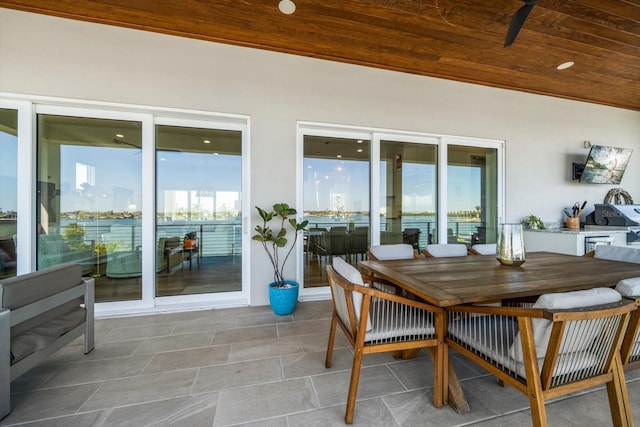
518, 21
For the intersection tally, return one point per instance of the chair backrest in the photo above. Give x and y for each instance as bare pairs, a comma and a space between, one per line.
391, 252
484, 248
446, 250
618, 253
630, 288
566, 300
350, 274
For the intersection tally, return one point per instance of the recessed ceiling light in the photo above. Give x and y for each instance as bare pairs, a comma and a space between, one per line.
565, 65
206, 141
215, 154
119, 135
339, 156
287, 7
359, 141
359, 150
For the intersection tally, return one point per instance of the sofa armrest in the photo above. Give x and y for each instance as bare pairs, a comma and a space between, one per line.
5, 361
89, 300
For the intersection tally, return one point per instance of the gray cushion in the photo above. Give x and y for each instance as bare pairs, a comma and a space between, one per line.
564, 300
28, 288
629, 287
45, 334
618, 253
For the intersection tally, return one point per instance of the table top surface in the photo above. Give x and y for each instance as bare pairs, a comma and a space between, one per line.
480, 278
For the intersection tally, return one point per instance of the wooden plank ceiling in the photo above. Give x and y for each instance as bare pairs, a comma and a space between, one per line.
452, 39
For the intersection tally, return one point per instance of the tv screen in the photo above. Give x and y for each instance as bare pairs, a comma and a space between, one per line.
605, 165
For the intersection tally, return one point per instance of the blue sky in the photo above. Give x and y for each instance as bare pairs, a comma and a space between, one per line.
326, 182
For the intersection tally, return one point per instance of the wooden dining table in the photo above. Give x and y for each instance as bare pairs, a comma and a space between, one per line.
480, 279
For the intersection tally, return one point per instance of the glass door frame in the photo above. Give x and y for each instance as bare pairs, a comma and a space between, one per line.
26, 258
376, 135
229, 123
443, 162
377, 138
30, 106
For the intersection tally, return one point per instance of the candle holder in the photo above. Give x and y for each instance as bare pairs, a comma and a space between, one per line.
510, 248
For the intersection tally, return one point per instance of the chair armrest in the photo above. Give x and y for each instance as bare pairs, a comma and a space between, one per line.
381, 295
498, 311
612, 309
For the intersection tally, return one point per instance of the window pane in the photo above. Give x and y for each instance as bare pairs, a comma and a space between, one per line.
408, 192
8, 191
89, 201
198, 213
472, 195
336, 202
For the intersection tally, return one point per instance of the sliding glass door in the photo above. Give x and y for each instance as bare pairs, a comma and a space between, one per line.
408, 193
8, 191
89, 201
336, 202
472, 194
378, 188
198, 210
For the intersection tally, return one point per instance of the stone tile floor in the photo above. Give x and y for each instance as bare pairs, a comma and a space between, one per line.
249, 367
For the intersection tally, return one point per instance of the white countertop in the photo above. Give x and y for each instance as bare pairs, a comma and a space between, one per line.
583, 231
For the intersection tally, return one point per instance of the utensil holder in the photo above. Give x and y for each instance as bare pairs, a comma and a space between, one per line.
573, 223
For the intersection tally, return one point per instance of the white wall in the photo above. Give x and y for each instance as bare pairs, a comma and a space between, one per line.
49, 56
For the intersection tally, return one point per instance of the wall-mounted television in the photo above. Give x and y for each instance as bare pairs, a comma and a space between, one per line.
605, 165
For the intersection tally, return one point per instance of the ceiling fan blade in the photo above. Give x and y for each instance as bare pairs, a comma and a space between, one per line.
517, 21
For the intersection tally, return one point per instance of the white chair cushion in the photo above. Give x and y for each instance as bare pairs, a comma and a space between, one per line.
564, 300
447, 250
350, 273
485, 248
391, 252
618, 253
629, 287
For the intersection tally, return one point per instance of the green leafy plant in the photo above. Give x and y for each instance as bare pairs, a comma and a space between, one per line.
533, 222
275, 239
192, 235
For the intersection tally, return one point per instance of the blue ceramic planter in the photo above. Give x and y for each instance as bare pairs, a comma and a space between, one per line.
283, 300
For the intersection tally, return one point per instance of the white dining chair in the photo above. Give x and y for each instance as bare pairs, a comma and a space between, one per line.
387, 253
376, 322
630, 350
566, 342
618, 253
483, 249
445, 250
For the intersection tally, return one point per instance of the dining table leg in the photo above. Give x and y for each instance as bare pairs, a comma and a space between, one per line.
455, 394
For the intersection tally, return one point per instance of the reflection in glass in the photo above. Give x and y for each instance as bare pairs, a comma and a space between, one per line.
472, 199
336, 202
8, 191
408, 193
198, 210
89, 197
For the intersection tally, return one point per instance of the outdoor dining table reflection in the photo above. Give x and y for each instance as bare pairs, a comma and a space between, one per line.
445, 282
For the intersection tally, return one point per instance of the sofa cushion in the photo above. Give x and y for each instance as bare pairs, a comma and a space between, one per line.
629, 287
43, 335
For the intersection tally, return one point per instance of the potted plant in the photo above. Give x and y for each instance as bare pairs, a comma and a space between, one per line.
190, 240
283, 294
532, 222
